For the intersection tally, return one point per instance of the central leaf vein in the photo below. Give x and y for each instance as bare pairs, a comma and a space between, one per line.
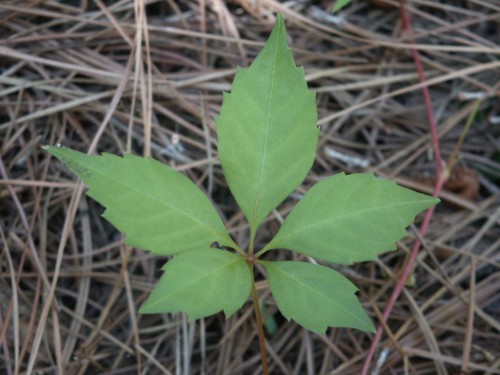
156, 199
266, 142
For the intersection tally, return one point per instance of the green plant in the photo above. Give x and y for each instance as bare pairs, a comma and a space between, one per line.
339, 4
267, 143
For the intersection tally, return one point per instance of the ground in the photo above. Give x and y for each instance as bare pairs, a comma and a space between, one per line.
147, 77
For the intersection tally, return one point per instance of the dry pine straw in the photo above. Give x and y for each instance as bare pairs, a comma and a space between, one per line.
70, 74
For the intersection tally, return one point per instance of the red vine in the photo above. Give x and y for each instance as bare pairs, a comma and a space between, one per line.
441, 176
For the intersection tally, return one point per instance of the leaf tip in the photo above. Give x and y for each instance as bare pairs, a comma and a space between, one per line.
365, 324
279, 18
279, 27
339, 4
52, 147
145, 309
228, 313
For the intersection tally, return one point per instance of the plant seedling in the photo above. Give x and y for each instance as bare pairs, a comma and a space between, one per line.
267, 135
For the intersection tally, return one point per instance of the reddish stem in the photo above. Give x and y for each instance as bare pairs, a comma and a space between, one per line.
441, 177
258, 319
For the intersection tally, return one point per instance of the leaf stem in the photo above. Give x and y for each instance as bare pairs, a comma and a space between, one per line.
258, 319
251, 245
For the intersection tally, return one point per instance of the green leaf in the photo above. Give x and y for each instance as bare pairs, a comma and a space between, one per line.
316, 297
267, 129
345, 219
201, 283
339, 4
158, 208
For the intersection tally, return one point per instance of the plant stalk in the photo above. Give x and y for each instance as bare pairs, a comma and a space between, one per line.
258, 319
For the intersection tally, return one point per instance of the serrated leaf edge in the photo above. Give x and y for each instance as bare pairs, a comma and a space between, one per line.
148, 159
341, 307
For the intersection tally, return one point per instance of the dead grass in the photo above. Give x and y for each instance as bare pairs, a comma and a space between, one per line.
146, 77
